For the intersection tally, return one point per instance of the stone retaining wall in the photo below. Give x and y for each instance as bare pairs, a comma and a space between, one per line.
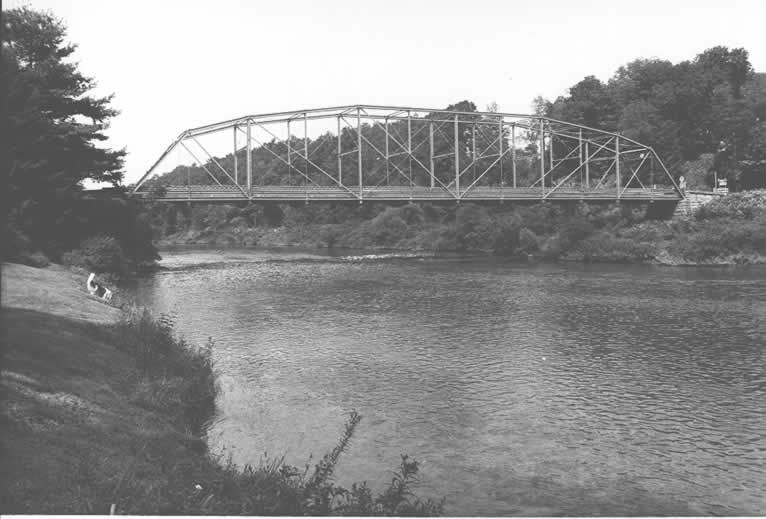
693, 201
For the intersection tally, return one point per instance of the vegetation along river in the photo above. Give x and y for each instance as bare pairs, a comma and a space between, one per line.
522, 389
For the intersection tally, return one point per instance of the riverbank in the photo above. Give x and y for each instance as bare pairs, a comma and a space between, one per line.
104, 410
729, 231
84, 424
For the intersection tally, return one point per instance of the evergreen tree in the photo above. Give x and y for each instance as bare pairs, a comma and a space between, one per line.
52, 127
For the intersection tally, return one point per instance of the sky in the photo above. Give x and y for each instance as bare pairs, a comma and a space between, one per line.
173, 65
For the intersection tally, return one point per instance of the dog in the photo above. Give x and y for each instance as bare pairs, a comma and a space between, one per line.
98, 290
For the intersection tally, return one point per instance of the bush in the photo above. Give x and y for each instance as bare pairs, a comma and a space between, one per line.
295, 217
34, 259
14, 241
607, 247
99, 254
387, 227
721, 238
575, 230
239, 222
274, 488
529, 243
474, 228
506, 239
412, 214
744, 205
175, 376
428, 238
329, 234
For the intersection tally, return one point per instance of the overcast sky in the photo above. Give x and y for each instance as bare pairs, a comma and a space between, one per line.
173, 65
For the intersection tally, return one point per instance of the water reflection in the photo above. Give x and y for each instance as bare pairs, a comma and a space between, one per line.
523, 390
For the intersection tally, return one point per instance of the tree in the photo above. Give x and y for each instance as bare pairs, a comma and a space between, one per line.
51, 129
724, 65
588, 104
681, 110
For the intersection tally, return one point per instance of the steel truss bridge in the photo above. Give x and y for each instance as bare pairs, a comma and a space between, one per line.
393, 153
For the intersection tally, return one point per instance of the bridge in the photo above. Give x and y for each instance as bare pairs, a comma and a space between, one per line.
388, 154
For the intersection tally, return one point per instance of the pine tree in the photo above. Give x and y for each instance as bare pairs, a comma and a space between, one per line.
51, 128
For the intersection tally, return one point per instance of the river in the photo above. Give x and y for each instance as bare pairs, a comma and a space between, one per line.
521, 389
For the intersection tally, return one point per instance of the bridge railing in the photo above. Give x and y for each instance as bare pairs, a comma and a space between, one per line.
392, 193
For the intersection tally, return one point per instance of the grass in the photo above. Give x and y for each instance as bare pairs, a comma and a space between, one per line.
105, 409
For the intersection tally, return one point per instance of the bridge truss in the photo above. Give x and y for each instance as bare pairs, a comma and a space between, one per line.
385, 153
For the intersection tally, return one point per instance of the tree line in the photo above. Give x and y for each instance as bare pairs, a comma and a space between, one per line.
714, 104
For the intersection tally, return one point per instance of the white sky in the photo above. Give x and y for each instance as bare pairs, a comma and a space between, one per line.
173, 65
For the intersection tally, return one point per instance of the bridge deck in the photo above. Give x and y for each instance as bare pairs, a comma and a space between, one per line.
403, 193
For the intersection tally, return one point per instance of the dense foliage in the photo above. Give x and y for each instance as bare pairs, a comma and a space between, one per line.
51, 129
712, 104
730, 230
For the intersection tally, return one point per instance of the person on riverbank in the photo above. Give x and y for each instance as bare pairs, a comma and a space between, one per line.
95, 289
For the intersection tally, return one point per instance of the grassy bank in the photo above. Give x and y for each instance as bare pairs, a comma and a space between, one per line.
105, 408
731, 230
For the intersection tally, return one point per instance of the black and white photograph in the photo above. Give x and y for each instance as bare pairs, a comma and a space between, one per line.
500, 258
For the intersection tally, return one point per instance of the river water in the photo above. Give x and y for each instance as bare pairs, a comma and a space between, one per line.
521, 389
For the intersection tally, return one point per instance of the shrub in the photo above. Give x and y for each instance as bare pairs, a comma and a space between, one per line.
388, 227
575, 230
175, 376
470, 216
744, 205
412, 214
528, 242
33, 259
239, 222
604, 246
329, 234
14, 241
428, 238
99, 254
609, 217
551, 247
274, 488
297, 216
721, 238
540, 218
506, 239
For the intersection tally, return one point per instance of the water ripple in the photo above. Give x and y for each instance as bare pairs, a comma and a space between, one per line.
522, 389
